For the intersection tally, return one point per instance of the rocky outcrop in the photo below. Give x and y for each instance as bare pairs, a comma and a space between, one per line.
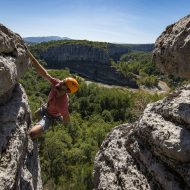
13, 61
19, 163
172, 48
153, 153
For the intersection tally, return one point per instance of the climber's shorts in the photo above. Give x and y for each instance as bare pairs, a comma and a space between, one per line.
45, 120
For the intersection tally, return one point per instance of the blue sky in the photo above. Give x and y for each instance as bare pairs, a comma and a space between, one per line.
119, 21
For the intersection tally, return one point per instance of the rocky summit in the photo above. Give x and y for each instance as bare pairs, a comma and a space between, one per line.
19, 163
171, 52
154, 152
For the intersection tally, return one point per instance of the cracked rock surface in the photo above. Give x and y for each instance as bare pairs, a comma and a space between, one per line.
19, 160
152, 153
172, 47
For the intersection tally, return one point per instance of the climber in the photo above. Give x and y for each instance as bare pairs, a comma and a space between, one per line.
57, 105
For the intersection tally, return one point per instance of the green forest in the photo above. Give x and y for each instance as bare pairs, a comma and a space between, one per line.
139, 66
67, 152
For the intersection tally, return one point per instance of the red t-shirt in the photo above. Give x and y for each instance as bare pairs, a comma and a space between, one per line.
57, 105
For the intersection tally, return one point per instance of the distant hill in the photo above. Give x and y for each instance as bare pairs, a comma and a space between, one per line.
44, 39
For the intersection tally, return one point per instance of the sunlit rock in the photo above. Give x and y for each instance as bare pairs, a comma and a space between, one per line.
19, 165
172, 47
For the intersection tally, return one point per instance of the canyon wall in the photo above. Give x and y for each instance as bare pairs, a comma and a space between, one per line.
88, 61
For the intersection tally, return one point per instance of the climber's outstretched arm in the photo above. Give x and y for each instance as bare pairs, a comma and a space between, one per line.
39, 69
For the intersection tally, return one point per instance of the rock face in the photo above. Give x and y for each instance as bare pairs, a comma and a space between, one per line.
172, 49
92, 61
150, 154
75, 52
154, 152
13, 61
19, 163
88, 61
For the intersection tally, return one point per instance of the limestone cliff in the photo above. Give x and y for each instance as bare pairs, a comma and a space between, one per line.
154, 152
90, 59
87, 60
19, 163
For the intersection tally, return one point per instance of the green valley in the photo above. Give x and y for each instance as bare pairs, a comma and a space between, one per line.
67, 152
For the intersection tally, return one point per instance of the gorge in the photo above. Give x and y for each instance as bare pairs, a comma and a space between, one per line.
151, 153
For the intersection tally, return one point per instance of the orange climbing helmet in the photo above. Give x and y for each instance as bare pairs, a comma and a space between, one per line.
72, 84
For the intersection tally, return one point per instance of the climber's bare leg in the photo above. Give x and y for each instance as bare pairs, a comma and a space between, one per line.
36, 131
